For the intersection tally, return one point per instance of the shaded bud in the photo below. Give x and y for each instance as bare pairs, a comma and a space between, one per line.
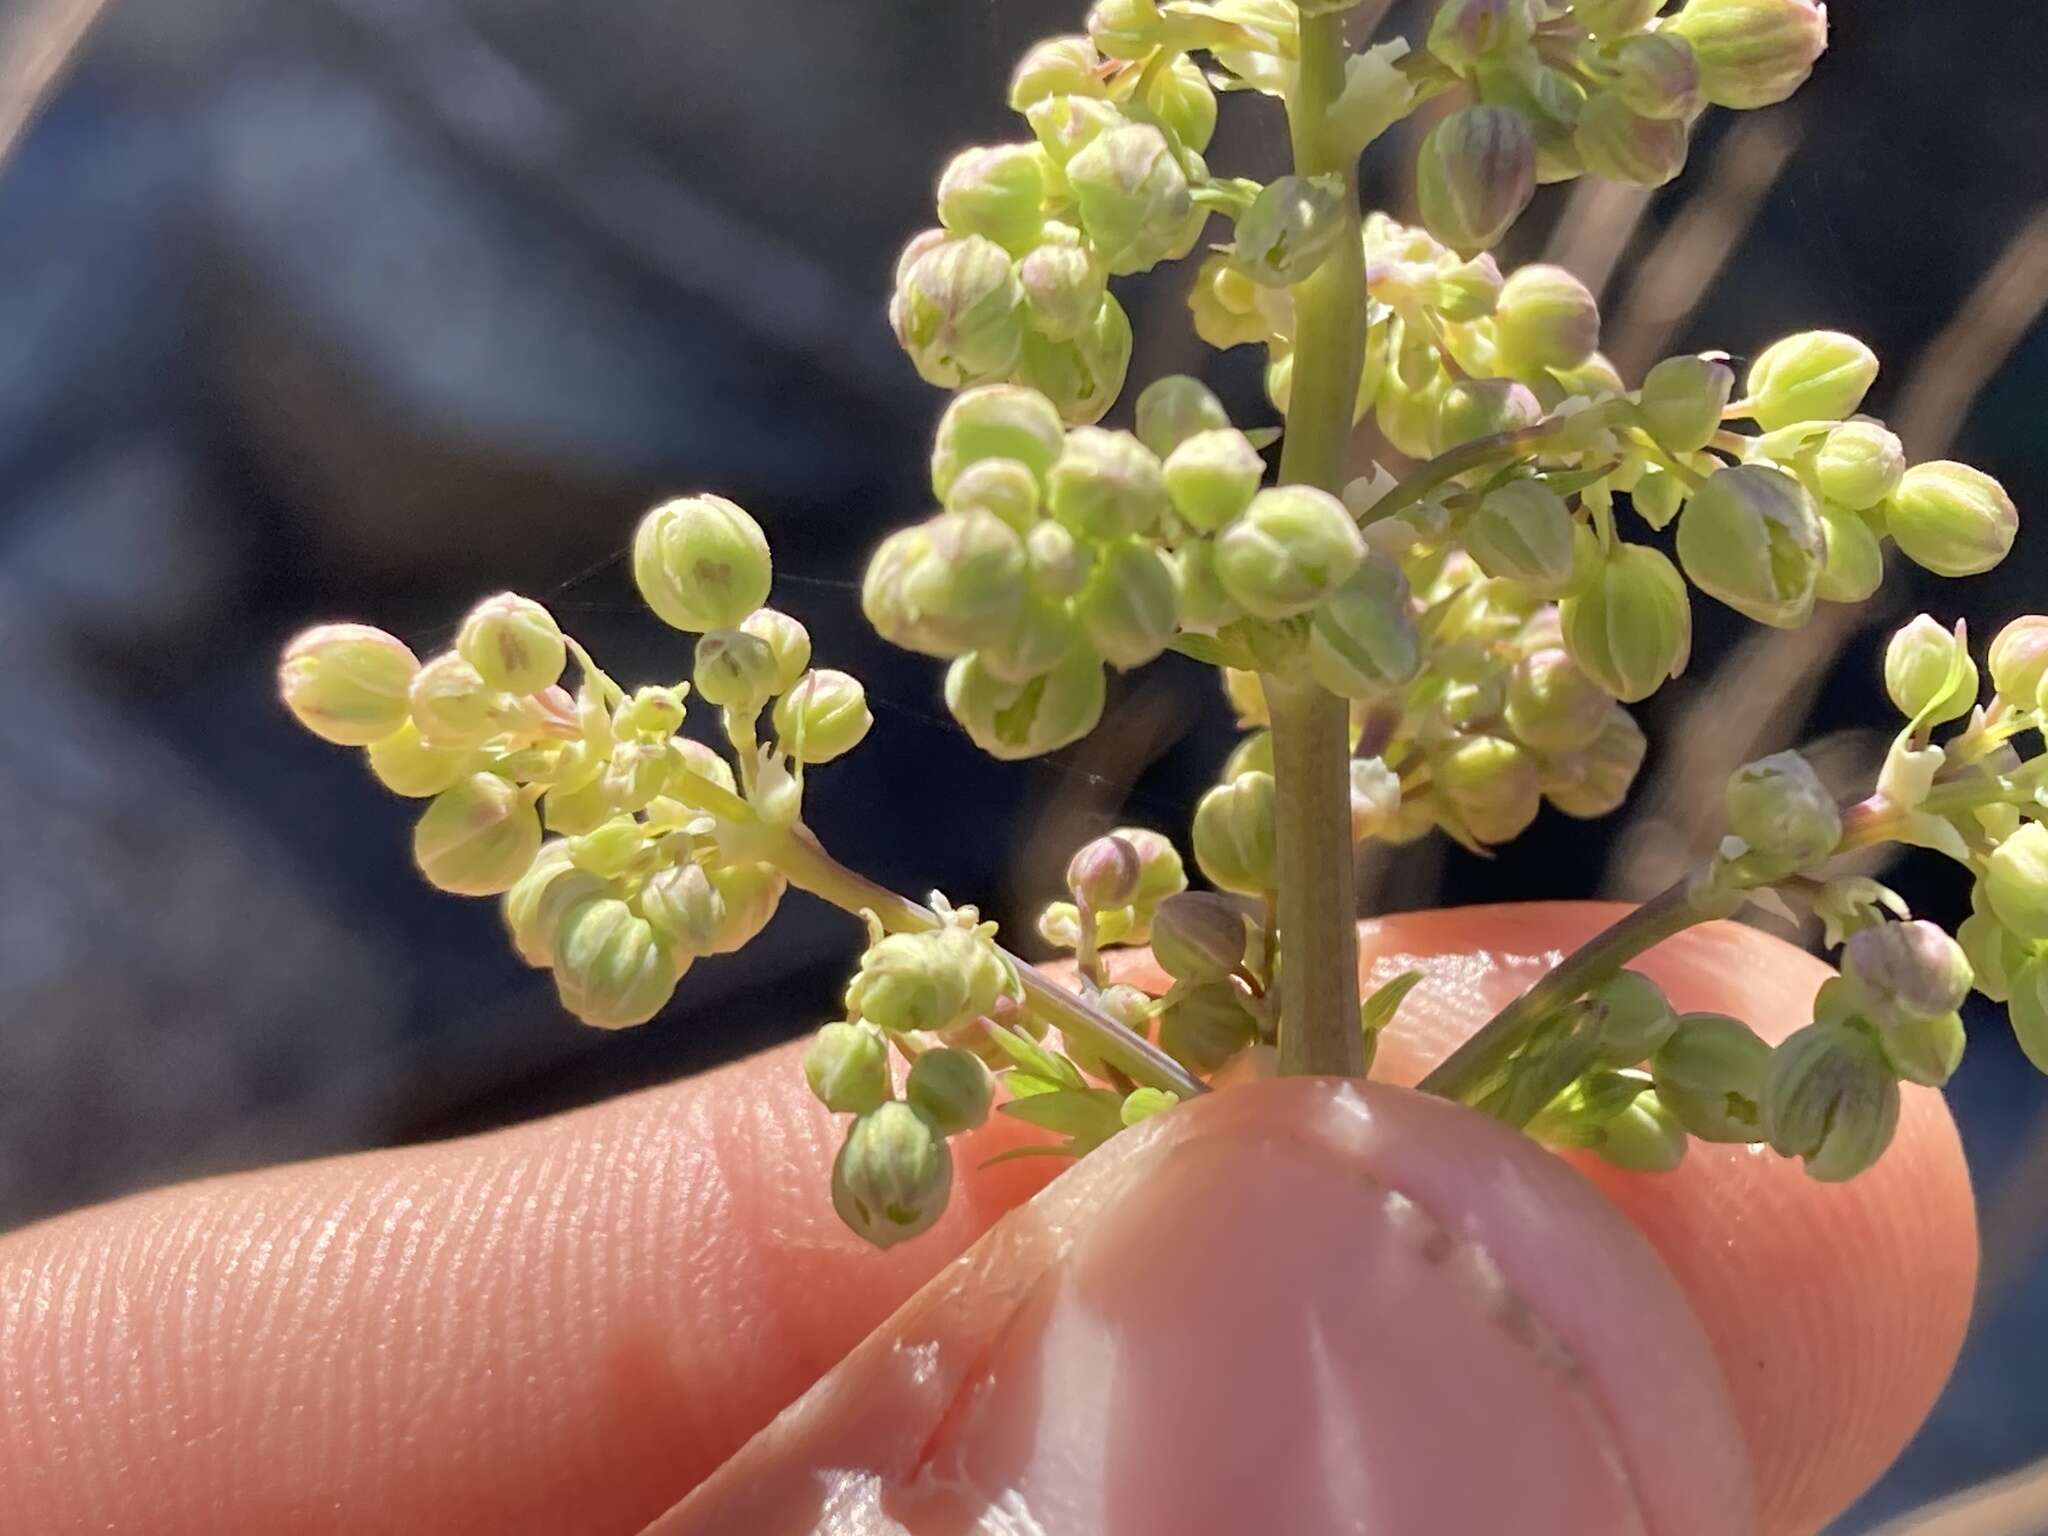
958, 312
1476, 173
1103, 874
1657, 75
734, 670
1363, 642
1751, 536
1198, 937
1633, 1018
1233, 835
1928, 674
2016, 882
1752, 53
347, 683
701, 563
1018, 720
1291, 227
945, 585
1546, 318
1645, 1137
1951, 519
1552, 705
2018, 658
995, 421
1129, 608
1133, 196
892, 1176
847, 1067
1106, 485
1630, 628
2027, 1008
1549, 100
1621, 145
1682, 400
1175, 408
1470, 290
1491, 783
1523, 532
1059, 66
1859, 464
1084, 376
1160, 875
824, 716
1474, 408
1181, 98
1291, 549
1205, 607
1596, 779
1829, 1097
1211, 477
1204, 1026
1225, 306
1056, 562
610, 849
1780, 809
1710, 1074
537, 903
1466, 31
1063, 285
1909, 979
1855, 559
1813, 376
951, 1089
514, 644
1375, 798
406, 764
997, 192
610, 969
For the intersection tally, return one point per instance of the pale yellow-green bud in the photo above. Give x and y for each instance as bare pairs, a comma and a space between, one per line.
749, 895
347, 683
514, 644
1632, 1017
1290, 229
1133, 196
1465, 31
1752, 538
997, 192
958, 313
1044, 634
1951, 519
1658, 76
1855, 558
1552, 705
1682, 400
1233, 835
1752, 53
943, 586
1212, 476
1630, 627
1198, 937
1204, 1026
1475, 175
951, 1089
734, 670
1595, 780
1658, 497
995, 421
611, 849
1615, 18
915, 981
1175, 408
1247, 697
406, 764
1492, 784
893, 1175
1225, 306
1363, 642
1780, 809
1470, 290
1621, 145
1813, 376
654, 711
1829, 1097
1928, 673
2016, 882
1205, 607
1710, 1074
577, 807
634, 773
1375, 798
1129, 609
2018, 658
1181, 98
1084, 376
1126, 29
1059, 66
610, 969
476, 838
1292, 548
1522, 532
1551, 101
1065, 125
453, 706
847, 1068
540, 899
1160, 875
1859, 464
1056, 562
1106, 485
787, 641
1003, 487
1474, 408
824, 715
685, 909
1546, 318
701, 563
1018, 720
1254, 754
2027, 1008
1063, 285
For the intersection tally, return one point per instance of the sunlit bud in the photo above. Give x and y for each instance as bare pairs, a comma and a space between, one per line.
1546, 318
1951, 519
1779, 808
578, 807
477, 838
1198, 937
1160, 873
1596, 780
1682, 400
1928, 673
1375, 797
2018, 658
1632, 1016
1084, 376
1829, 1096
2027, 1008
1291, 549
912, 981
1658, 497
1126, 29
610, 849
633, 774
1407, 414
1550, 100
1204, 1026
452, 706
653, 711
1855, 559
996, 191
1469, 290
958, 312
1181, 98
1057, 564
1233, 835
1615, 18
1631, 626
1065, 125
1813, 376
1363, 642
1645, 1137
611, 971
1059, 66
1175, 408
1492, 784
1752, 538
347, 683
1106, 485
1623, 146
847, 1067
514, 644
734, 670
893, 1175
541, 898
951, 1089
1212, 476
944, 585
1129, 608
686, 910
1522, 532
1103, 873
1657, 76
1476, 173
1859, 464
1552, 705
823, 715
1752, 53
2016, 882
1710, 1074
701, 563
1017, 720
1474, 408
406, 764
995, 421
1132, 195
1995, 952
1063, 289
1465, 31
1595, 379
1225, 306
1290, 228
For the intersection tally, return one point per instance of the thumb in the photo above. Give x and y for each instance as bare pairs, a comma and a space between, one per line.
1304, 1306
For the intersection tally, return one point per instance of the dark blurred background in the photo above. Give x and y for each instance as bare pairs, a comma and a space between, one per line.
326, 308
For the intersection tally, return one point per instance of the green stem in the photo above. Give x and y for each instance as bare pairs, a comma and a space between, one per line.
1479, 453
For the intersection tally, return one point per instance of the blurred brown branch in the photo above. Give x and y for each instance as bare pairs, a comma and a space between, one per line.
37, 41
1960, 361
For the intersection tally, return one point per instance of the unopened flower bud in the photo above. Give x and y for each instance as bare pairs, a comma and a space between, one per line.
452, 705
1065, 125
1375, 798
1291, 227
1710, 1074
1829, 1097
2016, 882
1633, 1017
610, 849
1615, 18
1160, 873
1813, 376
1173, 409
347, 683
1224, 303
1476, 173
1621, 145
1928, 673
1056, 562
1646, 1137
1552, 705
997, 192
1204, 1026
701, 563
958, 313
1682, 400
539, 900
1550, 100
1855, 559
1631, 626
1466, 31
1859, 464
1291, 549
1470, 290
1657, 75
1018, 720
1492, 784
847, 1067
1126, 29
1129, 608
1363, 641
1752, 538
995, 421
611, 971
1106, 485
1233, 835
1546, 318
823, 716
685, 909
1522, 532
654, 711
1205, 607
1951, 519
1182, 99
1596, 779
514, 644
1910, 978
1059, 66
1084, 376
2019, 658
1474, 408
406, 764
1212, 476
893, 1175
1103, 874
1133, 196
734, 670
1752, 53
1778, 806
912, 981
1063, 288
1198, 937
950, 1088
944, 585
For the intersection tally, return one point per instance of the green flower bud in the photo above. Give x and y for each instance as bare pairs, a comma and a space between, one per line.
1778, 806
1710, 1074
1657, 75
1551, 102
514, 644
1290, 229
1470, 290
1522, 532
1065, 125
1595, 379
453, 707
611, 849
1855, 559
654, 712
1204, 1026
1595, 780
1752, 53
2016, 882
1106, 485
1658, 497
1175, 408
576, 809
1212, 476
634, 773
2018, 659
824, 716
701, 563
1633, 1018
1126, 29
1063, 285
1552, 705
1476, 173
749, 895
1631, 626
539, 900
1160, 875
997, 192
1830, 1098
1814, 376
1225, 306
1465, 31
1375, 798
476, 838
2027, 1008
734, 670
1682, 400
1752, 538
1254, 754
1003, 487
1132, 195
892, 1176
610, 969
1198, 937
1615, 18
913, 981
1491, 783
958, 313
1951, 519
1928, 673
1293, 547
1103, 873
996, 421
1059, 66
951, 1089
1474, 408
347, 683
407, 765
1233, 835
847, 1067
1180, 97
945, 585
1082, 377
1859, 464
1621, 145
1645, 1137
1909, 979
1128, 610
1205, 607
1546, 318
1018, 720
1363, 642
685, 909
